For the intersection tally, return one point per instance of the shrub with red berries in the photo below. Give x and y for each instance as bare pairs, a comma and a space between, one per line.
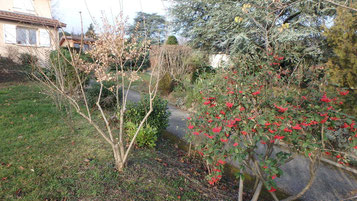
247, 110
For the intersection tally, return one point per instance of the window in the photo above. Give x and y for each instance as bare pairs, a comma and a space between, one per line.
86, 47
76, 45
24, 6
10, 33
26, 36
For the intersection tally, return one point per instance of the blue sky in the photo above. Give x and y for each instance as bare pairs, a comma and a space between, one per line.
67, 11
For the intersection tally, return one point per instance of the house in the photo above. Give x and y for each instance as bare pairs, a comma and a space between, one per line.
75, 42
219, 60
27, 26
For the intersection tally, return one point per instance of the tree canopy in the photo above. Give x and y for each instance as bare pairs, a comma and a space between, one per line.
251, 26
91, 32
152, 26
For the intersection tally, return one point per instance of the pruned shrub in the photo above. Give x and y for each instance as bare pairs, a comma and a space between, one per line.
166, 84
171, 40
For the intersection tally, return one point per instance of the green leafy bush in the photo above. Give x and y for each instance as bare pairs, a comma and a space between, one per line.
158, 119
108, 99
202, 70
61, 60
147, 136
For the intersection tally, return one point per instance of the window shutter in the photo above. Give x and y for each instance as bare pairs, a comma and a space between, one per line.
45, 40
10, 33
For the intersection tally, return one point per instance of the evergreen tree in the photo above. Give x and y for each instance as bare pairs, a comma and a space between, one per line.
151, 26
247, 27
90, 32
171, 40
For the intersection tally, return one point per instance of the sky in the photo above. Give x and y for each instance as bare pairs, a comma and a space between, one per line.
67, 11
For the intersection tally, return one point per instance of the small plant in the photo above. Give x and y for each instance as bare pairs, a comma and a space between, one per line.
147, 136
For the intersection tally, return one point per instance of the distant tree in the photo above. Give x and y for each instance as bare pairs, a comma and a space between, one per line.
91, 32
63, 33
171, 40
151, 26
248, 27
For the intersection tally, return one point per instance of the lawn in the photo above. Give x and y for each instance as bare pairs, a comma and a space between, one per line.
42, 159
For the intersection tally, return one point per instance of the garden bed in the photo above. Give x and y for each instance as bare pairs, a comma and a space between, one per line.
43, 159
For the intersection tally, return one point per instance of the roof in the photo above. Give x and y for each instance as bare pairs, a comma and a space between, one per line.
30, 19
76, 39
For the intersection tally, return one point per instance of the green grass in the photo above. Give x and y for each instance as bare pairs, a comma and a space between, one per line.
42, 159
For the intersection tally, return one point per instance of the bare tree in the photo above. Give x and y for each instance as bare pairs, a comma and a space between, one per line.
173, 59
109, 55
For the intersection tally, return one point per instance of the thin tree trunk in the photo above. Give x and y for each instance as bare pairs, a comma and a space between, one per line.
240, 195
312, 168
257, 191
117, 157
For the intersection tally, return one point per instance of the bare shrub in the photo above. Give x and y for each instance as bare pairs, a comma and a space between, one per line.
174, 60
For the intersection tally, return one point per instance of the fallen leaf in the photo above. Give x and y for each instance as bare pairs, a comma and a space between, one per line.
21, 168
158, 159
18, 192
4, 178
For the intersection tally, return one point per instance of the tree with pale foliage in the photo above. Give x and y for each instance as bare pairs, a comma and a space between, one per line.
112, 48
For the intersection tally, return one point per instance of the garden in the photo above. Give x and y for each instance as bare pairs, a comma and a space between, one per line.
100, 124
